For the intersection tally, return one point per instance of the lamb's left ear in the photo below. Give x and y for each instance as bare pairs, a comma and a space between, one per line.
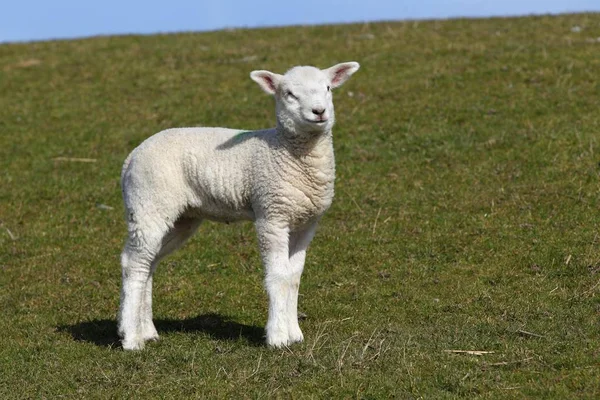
267, 81
340, 73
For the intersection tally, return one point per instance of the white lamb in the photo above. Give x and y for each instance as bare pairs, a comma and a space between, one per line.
280, 178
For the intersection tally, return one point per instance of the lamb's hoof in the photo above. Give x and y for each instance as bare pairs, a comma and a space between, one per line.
278, 339
152, 337
150, 334
133, 344
296, 335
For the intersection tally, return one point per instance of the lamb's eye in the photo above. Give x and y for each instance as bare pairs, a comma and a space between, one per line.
328, 88
290, 95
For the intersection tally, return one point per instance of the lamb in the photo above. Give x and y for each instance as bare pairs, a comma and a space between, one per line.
280, 178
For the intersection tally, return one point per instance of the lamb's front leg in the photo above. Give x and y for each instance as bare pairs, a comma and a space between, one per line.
273, 240
299, 242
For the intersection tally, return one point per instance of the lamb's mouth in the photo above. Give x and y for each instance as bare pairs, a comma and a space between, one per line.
316, 121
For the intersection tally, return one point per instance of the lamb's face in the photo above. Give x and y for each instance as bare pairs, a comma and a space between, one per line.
304, 100
303, 95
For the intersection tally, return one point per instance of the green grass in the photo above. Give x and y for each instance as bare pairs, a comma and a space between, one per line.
466, 215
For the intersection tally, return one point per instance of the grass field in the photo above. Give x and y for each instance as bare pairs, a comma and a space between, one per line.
466, 215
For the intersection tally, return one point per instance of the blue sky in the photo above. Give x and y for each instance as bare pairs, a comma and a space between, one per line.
25, 20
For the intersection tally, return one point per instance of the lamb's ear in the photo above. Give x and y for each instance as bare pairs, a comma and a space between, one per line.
267, 81
340, 73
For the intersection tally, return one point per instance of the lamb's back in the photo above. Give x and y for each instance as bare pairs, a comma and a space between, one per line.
200, 170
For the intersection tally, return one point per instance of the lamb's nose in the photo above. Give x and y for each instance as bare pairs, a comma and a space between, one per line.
318, 111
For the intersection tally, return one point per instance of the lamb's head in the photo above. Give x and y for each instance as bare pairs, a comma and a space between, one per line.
304, 105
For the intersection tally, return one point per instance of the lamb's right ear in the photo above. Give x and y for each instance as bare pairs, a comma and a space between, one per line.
267, 81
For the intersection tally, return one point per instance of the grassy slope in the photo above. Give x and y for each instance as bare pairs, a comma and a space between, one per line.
466, 212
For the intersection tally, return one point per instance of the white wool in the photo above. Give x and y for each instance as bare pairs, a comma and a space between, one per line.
280, 178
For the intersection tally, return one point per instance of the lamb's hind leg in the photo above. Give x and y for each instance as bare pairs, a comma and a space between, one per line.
182, 230
299, 242
137, 260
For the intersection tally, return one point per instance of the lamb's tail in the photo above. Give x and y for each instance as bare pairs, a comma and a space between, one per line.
126, 165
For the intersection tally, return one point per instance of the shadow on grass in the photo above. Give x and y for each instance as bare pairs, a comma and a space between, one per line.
103, 332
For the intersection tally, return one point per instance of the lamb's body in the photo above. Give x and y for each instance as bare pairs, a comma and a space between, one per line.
281, 178
189, 173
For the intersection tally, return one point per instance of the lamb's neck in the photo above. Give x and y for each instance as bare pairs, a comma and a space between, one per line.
307, 145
